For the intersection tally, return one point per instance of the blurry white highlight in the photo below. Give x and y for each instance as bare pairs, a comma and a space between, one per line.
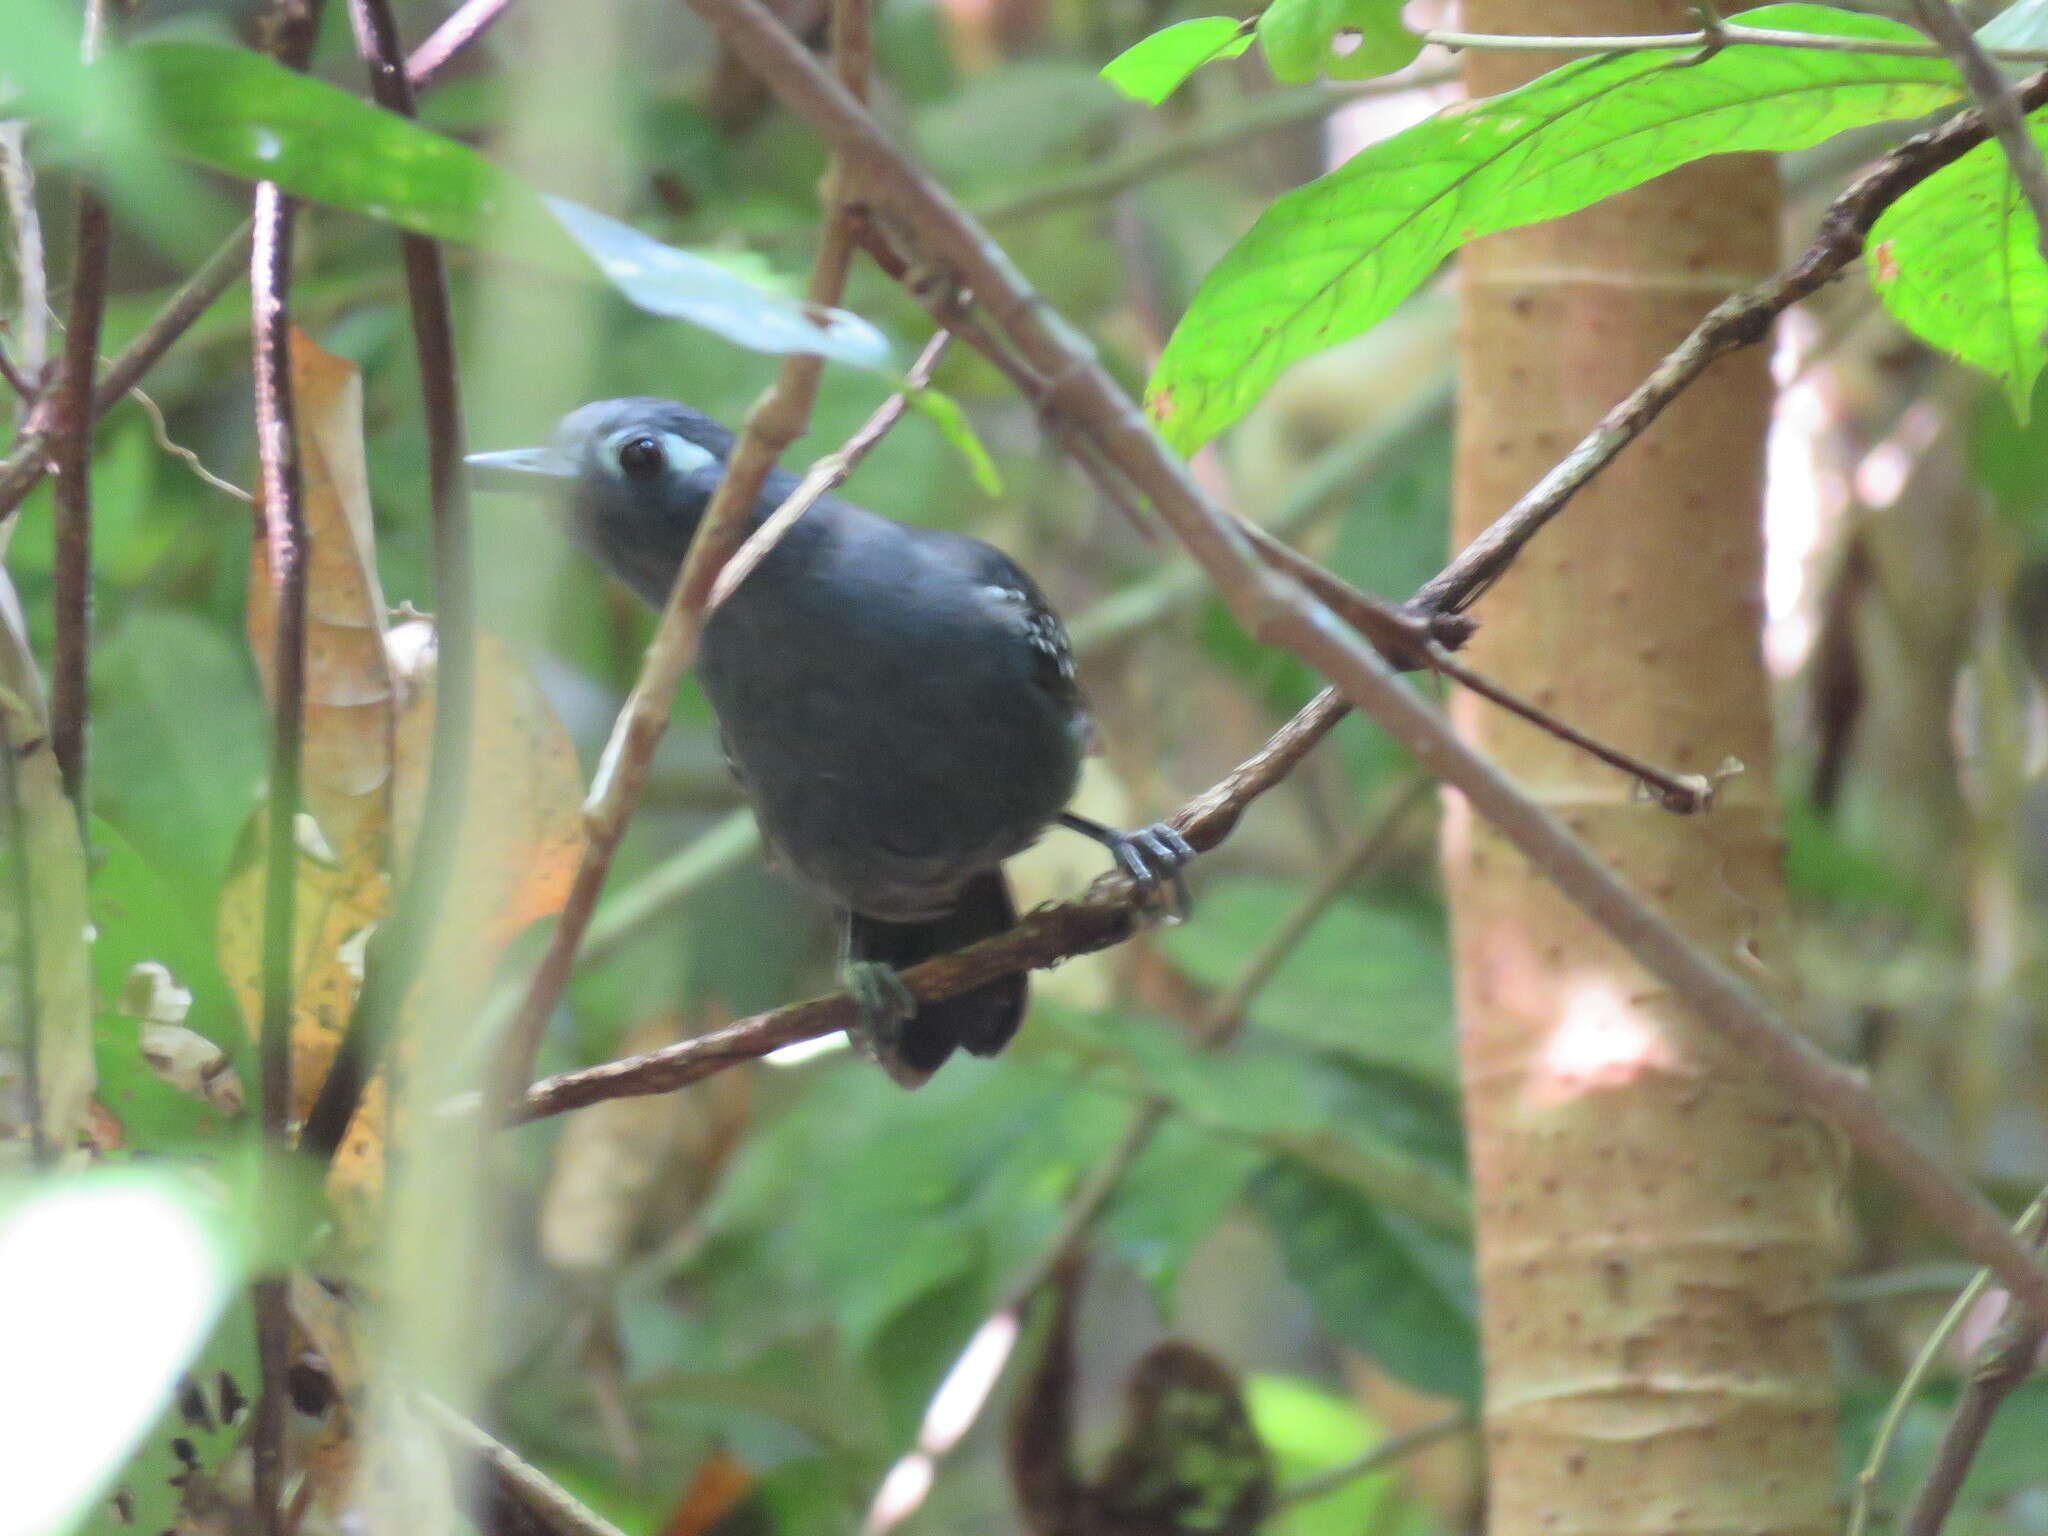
107, 1288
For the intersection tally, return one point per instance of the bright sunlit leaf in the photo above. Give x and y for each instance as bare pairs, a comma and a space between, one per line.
1335, 257
1344, 39
1957, 262
108, 1286
1152, 70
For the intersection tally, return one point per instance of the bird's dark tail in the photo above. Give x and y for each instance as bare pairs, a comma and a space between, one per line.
981, 1021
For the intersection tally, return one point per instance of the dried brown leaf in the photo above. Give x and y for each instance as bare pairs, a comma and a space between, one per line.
349, 710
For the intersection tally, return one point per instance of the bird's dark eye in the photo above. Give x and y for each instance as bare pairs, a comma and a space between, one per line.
642, 458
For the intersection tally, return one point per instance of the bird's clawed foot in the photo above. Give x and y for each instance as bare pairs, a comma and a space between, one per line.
884, 1004
1151, 858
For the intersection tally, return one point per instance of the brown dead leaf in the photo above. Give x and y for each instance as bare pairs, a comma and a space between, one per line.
522, 835
349, 704
522, 824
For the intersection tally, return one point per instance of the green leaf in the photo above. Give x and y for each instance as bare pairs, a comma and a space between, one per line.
1335, 257
1183, 1184
237, 111
1957, 263
1371, 980
1152, 70
1379, 1283
944, 412
1344, 39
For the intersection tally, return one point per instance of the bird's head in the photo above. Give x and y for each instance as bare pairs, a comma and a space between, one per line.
635, 476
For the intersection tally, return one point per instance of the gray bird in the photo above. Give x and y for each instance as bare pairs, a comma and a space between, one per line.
899, 706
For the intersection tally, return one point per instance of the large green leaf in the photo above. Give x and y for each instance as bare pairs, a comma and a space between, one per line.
1335, 257
238, 111
1403, 1296
1957, 261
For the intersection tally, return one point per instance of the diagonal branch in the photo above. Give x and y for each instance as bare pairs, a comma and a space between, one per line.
1995, 99
1738, 321
943, 239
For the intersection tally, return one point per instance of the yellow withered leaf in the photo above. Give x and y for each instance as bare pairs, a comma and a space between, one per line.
349, 710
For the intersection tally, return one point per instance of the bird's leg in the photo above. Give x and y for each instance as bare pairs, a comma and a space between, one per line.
1151, 857
882, 1003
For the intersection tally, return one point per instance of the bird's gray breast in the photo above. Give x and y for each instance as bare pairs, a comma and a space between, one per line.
900, 710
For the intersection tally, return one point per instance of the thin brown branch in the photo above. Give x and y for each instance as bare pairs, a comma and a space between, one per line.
1995, 99
941, 238
1409, 640
776, 421
400, 946
1719, 34
71, 453
2006, 1360
1739, 321
284, 536
1107, 915
828, 474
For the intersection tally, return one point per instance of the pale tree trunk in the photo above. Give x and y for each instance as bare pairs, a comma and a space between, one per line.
1654, 1215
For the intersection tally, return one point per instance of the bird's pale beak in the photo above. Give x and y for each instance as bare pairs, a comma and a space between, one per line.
519, 469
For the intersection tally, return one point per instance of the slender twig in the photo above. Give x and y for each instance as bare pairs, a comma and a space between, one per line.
469, 22
1720, 35
942, 239
71, 444
26, 464
2000, 107
1279, 109
1406, 639
402, 942
18, 186
71, 453
1386, 1453
284, 537
1738, 321
828, 474
776, 421
2007, 1358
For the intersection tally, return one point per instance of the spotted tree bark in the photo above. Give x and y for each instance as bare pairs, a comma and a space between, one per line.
1653, 1213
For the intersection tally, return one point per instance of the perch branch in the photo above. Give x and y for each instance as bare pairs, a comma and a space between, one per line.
943, 239
1721, 34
